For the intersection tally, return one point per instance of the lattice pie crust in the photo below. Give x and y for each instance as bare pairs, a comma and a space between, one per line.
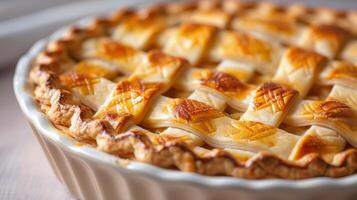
252, 90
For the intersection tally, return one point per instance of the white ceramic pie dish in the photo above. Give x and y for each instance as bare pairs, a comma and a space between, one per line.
91, 174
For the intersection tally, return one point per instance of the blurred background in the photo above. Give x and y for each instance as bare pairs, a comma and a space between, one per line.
22, 22
24, 171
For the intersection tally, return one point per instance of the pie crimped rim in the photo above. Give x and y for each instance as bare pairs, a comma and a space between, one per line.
263, 165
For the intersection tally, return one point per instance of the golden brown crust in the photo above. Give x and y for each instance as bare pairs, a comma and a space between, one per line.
273, 95
223, 82
329, 110
303, 58
195, 111
263, 165
128, 101
63, 110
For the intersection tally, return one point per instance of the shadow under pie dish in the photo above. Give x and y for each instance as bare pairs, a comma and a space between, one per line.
221, 88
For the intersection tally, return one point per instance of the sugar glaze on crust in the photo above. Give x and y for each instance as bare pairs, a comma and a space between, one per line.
115, 134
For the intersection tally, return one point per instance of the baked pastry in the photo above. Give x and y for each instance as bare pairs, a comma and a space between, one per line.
251, 90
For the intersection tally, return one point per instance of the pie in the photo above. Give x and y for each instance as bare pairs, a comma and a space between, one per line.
250, 90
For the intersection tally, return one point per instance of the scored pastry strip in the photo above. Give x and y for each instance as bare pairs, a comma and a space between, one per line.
122, 80
340, 73
297, 65
345, 95
322, 141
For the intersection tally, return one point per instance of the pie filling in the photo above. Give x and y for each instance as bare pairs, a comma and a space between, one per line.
251, 90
